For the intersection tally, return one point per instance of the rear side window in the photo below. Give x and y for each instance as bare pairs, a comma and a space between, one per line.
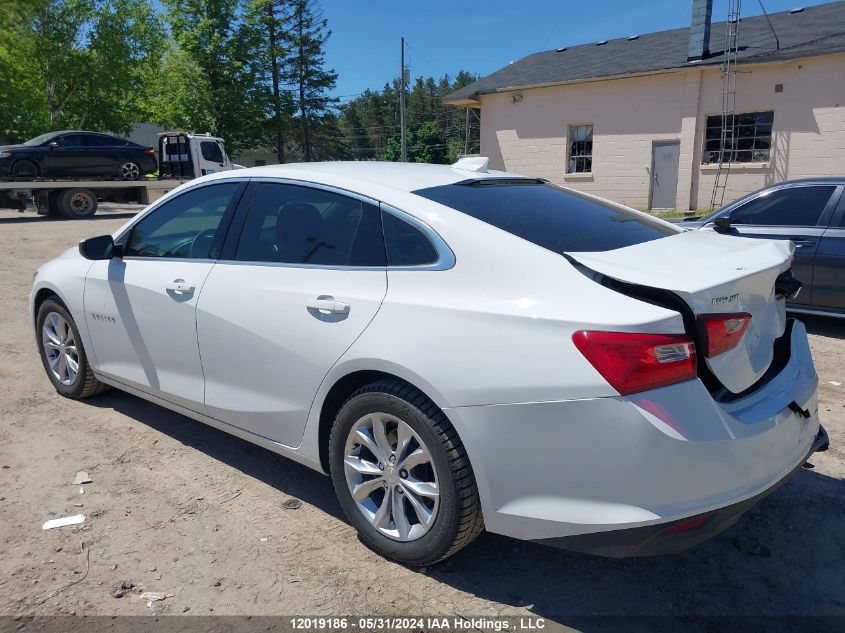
100, 140
406, 244
556, 219
73, 140
305, 225
794, 206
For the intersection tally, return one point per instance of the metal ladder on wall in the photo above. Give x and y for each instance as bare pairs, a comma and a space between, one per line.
727, 141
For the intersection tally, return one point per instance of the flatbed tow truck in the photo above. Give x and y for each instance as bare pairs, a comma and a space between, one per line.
181, 157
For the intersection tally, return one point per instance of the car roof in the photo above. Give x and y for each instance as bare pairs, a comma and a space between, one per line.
828, 180
82, 132
400, 176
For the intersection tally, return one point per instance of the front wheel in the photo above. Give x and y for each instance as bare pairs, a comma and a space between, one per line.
402, 475
24, 170
62, 353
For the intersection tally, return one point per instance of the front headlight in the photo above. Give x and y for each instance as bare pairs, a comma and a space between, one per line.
5, 154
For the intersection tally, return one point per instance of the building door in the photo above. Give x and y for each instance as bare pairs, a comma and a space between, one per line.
664, 173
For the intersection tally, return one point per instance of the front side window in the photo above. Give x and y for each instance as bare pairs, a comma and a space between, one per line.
183, 227
794, 206
211, 151
580, 149
304, 225
748, 138
558, 219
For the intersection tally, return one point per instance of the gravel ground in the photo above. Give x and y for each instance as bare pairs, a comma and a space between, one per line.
178, 507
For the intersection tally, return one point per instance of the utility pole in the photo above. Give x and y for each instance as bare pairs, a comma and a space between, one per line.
402, 101
466, 133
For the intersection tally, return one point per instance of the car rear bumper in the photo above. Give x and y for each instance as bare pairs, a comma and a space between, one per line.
673, 536
605, 468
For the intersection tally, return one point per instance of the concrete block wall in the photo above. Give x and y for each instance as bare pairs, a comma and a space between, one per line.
529, 135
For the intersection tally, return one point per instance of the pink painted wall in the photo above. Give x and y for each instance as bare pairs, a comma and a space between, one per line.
529, 137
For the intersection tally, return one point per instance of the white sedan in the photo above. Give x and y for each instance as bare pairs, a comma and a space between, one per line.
461, 349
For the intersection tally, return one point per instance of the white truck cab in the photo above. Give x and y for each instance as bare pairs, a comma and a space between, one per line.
184, 156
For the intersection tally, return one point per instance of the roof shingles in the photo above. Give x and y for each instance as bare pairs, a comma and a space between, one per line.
816, 30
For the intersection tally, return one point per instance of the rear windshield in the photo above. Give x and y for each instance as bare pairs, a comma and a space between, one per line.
554, 218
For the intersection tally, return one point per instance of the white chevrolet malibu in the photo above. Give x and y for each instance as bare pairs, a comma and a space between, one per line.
461, 349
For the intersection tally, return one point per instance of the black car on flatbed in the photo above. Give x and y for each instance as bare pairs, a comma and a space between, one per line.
75, 154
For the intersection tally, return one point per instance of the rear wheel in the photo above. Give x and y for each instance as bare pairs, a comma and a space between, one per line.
78, 204
402, 475
130, 170
62, 353
25, 169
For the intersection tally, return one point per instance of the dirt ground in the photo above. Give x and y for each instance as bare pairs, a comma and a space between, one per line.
179, 507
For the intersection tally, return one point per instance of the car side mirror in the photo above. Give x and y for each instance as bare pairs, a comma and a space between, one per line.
100, 247
723, 224
53, 145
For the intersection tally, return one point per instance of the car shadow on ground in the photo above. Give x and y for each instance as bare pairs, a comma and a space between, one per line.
291, 478
25, 218
823, 326
784, 557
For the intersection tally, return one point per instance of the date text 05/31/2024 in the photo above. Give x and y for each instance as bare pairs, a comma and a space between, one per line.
415, 623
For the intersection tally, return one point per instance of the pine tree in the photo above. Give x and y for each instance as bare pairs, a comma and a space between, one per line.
225, 47
307, 76
272, 18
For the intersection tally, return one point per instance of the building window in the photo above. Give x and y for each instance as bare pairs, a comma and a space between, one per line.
580, 149
748, 138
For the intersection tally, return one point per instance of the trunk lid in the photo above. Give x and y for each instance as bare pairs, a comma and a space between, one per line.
712, 274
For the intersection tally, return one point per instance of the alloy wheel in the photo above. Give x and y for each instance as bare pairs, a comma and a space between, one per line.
60, 348
391, 476
130, 171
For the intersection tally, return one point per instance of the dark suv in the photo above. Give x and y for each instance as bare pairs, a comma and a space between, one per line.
74, 154
809, 212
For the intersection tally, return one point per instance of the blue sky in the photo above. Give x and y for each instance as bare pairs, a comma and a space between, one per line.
482, 36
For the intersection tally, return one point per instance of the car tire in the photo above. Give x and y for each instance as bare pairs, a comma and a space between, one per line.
78, 204
58, 336
130, 170
455, 514
25, 170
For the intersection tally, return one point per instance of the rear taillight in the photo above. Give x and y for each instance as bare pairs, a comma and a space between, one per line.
149, 151
722, 332
637, 362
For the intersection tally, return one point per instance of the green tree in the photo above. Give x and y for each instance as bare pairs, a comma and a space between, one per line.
436, 132
310, 81
179, 94
23, 105
272, 19
75, 63
224, 49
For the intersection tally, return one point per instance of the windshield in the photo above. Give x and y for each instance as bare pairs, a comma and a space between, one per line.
40, 140
559, 220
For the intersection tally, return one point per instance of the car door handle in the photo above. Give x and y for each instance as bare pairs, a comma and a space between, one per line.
327, 305
802, 243
182, 287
